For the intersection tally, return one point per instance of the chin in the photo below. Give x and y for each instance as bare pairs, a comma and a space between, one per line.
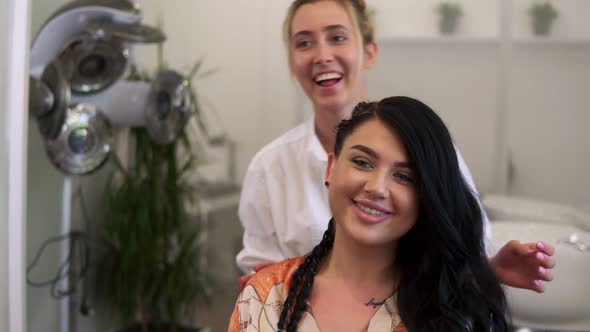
333, 104
374, 242
371, 237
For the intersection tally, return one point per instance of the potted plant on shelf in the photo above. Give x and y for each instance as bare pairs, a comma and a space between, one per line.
543, 15
449, 17
152, 274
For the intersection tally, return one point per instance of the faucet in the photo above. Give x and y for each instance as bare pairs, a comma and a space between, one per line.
574, 241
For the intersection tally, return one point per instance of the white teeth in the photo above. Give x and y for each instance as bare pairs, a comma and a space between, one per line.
327, 76
368, 210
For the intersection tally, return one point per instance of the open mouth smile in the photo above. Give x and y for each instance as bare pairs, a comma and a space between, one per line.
327, 79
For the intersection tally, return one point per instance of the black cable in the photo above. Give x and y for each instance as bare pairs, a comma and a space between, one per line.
78, 247
78, 252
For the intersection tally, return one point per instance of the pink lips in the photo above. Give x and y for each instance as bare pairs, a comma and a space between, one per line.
367, 217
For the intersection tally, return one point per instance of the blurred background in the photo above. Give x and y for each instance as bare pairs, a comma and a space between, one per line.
516, 104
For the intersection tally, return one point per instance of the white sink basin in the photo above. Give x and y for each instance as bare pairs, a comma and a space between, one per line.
565, 305
504, 207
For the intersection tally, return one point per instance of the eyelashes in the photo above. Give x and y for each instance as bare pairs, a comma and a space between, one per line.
400, 176
307, 43
403, 178
361, 163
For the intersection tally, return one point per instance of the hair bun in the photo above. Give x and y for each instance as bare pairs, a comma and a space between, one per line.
361, 3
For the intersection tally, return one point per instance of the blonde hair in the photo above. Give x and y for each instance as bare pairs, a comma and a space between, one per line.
357, 9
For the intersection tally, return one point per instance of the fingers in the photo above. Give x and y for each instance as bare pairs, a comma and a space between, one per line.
545, 247
537, 286
544, 260
526, 249
544, 274
542, 252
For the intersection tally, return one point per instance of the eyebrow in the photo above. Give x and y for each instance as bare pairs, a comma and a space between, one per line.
326, 29
374, 155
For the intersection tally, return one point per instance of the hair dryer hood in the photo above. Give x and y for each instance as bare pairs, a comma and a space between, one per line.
169, 107
92, 39
84, 142
70, 21
49, 97
94, 64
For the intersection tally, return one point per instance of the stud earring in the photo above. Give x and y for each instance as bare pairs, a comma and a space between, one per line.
327, 184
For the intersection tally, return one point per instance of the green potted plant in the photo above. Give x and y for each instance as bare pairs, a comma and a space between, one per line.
151, 274
449, 17
543, 15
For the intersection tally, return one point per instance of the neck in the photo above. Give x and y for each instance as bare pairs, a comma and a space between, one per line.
326, 121
370, 267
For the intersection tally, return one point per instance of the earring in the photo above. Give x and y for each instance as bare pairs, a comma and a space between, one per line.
327, 184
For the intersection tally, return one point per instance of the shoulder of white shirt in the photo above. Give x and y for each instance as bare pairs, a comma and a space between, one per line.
291, 140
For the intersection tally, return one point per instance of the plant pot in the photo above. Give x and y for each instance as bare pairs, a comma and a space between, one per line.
448, 24
542, 27
163, 327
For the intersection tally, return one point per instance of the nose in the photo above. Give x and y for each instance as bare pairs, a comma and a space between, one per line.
376, 187
323, 54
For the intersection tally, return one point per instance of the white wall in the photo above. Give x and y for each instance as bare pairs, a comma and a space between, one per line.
43, 221
549, 123
44, 190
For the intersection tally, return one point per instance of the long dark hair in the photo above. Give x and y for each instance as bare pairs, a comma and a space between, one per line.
446, 281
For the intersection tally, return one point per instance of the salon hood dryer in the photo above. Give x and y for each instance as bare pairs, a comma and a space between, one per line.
163, 106
78, 60
93, 39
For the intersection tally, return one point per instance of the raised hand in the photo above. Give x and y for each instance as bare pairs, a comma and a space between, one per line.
524, 265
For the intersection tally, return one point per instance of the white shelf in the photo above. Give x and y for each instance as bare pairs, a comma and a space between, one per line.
439, 40
548, 41
480, 41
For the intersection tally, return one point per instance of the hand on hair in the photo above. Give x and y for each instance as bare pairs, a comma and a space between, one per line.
524, 265
244, 279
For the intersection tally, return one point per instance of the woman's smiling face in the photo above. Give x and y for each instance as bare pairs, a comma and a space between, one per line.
327, 55
372, 186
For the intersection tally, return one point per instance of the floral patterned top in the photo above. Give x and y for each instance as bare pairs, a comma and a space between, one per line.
259, 305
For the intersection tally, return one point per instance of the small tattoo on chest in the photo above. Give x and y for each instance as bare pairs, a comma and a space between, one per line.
373, 303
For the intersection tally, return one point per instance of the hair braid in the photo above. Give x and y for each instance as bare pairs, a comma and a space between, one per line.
302, 282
